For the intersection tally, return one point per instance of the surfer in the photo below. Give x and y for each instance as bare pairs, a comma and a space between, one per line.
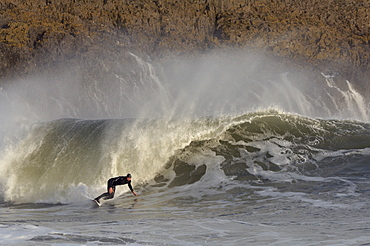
112, 183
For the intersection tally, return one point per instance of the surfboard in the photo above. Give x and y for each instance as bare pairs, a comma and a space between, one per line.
96, 203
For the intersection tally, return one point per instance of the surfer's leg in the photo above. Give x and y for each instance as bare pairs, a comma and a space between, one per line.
106, 195
102, 196
110, 192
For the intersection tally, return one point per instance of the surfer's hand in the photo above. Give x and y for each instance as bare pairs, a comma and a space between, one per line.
134, 193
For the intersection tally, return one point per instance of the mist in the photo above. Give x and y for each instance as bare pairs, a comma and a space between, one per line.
212, 84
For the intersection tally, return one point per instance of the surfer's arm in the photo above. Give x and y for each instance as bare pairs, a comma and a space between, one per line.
132, 190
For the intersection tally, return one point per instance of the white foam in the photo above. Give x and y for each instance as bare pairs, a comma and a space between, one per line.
300, 196
18, 234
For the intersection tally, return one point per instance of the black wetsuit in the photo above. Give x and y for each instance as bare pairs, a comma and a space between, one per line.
112, 183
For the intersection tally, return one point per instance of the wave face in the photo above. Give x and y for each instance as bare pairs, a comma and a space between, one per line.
216, 123
62, 160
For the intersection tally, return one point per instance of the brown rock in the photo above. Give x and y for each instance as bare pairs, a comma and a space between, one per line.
41, 33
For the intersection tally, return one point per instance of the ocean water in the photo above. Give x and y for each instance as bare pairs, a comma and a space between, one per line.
223, 149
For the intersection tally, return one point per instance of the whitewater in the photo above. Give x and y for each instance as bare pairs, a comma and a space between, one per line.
224, 148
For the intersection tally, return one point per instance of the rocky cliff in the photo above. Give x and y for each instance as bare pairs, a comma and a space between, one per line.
37, 34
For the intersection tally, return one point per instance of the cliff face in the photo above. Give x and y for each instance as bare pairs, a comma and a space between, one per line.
36, 34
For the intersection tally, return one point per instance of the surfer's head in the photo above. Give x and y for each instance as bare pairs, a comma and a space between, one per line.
128, 176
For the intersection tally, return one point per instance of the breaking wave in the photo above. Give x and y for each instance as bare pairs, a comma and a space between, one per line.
62, 160
213, 123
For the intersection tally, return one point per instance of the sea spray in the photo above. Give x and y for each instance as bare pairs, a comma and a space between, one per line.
353, 105
223, 83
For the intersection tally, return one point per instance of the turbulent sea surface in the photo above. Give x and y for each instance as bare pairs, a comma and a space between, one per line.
223, 149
